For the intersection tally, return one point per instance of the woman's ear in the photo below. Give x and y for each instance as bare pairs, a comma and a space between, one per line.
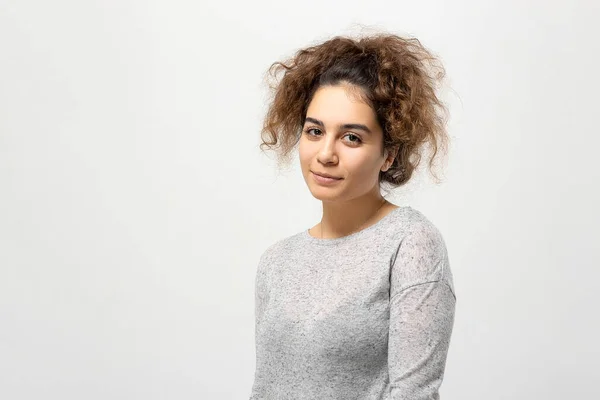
390, 157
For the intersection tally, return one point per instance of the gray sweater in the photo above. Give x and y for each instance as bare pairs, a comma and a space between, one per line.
367, 316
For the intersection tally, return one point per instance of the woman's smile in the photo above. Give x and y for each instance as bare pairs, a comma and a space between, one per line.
323, 180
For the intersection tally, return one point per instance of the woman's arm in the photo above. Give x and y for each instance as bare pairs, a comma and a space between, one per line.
422, 305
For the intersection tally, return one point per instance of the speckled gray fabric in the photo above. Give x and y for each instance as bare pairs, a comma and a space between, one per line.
365, 316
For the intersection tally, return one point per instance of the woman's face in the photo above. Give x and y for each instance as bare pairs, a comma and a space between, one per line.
342, 138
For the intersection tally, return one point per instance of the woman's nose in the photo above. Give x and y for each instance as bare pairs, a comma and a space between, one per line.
327, 153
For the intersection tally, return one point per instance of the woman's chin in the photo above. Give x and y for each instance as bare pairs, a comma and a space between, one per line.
324, 193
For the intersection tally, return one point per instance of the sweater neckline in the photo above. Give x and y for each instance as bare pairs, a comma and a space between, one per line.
334, 241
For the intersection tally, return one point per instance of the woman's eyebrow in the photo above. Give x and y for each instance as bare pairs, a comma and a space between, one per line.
342, 126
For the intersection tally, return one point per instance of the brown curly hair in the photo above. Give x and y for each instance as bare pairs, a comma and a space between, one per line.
398, 78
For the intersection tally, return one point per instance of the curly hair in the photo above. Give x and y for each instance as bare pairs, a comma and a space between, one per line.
398, 78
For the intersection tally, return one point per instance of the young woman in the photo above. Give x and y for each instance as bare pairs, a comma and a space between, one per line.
361, 305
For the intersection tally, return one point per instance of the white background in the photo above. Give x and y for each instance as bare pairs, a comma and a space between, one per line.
135, 202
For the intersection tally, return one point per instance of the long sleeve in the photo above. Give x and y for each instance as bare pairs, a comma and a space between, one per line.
365, 316
260, 301
422, 305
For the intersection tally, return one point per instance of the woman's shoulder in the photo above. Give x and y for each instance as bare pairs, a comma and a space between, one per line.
411, 222
402, 223
421, 253
279, 247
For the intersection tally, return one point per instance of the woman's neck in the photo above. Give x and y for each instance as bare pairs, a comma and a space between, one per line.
344, 218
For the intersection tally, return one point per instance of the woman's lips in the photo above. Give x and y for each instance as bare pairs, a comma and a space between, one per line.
323, 180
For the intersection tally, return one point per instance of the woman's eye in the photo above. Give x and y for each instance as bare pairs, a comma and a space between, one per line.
357, 139
354, 139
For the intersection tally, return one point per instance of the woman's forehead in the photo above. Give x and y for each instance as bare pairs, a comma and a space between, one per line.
339, 105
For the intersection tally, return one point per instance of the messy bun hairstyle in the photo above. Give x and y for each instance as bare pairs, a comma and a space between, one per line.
398, 78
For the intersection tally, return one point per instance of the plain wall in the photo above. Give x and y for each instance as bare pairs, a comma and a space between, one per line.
135, 202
